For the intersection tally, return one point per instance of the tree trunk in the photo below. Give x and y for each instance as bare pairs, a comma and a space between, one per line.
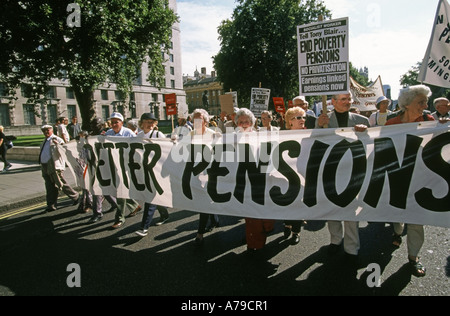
85, 100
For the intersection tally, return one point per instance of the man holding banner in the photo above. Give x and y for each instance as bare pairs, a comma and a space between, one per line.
118, 130
342, 117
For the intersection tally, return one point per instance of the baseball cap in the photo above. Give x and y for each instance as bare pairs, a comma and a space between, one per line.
116, 115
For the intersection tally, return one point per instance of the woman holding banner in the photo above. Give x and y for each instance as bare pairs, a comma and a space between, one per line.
256, 230
295, 120
412, 102
201, 123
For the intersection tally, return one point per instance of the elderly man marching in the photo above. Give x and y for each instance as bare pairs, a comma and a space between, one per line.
342, 117
53, 166
118, 130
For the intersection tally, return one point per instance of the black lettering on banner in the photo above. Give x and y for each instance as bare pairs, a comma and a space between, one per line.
148, 166
312, 172
121, 147
357, 175
385, 160
134, 166
247, 165
432, 157
191, 169
293, 190
92, 162
216, 171
105, 182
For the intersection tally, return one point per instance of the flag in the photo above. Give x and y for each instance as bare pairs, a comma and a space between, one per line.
435, 66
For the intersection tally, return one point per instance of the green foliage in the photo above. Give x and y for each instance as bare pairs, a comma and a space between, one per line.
259, 44
114, 38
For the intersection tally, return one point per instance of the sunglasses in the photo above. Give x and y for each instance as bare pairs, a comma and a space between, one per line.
299, 118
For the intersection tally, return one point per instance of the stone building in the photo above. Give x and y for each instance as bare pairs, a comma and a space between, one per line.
21, 118
203, 91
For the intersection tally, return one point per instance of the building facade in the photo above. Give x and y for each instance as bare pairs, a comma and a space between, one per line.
22, 118
203, 91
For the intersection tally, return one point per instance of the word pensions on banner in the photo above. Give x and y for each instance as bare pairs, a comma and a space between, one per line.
387, 174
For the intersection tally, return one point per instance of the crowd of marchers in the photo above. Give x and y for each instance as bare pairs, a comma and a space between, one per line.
412, 103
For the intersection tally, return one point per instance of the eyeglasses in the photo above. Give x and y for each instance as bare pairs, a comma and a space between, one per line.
298, 118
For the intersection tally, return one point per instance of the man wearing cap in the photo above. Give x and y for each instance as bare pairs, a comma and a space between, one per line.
53, 166
379, 118
117, 129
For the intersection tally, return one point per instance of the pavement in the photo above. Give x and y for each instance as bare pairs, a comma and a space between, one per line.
23, 185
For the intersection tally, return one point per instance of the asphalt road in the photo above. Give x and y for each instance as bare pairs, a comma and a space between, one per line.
37, 250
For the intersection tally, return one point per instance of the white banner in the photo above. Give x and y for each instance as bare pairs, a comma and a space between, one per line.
323, 57
396, 173
365, 98
435, 69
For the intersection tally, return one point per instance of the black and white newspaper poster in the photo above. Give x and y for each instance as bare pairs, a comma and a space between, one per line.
324, 57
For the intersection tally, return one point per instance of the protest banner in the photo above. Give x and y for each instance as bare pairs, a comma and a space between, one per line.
435, 68
324, 57
226, 103
365, 98
397, 173
279, 105
259, 101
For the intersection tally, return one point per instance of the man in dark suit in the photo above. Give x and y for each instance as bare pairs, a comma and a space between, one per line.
342, 117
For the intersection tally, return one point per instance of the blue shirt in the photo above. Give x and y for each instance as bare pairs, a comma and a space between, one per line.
124, 132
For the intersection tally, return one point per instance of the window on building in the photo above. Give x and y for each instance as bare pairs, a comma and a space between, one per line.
172, 71
172, 84
105, 112
4, 115
26, 90
71, 111
29, 116
52, 114
70, 94
3, 90
51, 93
171, 58
104, 94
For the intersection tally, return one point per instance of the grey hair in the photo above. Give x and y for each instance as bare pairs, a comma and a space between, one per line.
203, 113
408, 95
269, 113
245, 112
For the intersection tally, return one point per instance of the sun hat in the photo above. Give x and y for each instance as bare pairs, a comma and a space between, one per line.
116, 115
45, 127
148, 116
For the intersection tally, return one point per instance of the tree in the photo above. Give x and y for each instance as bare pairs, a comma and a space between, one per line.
259, 44
88, 42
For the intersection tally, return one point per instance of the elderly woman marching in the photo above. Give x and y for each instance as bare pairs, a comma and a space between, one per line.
412, 102
295, 120
256, 230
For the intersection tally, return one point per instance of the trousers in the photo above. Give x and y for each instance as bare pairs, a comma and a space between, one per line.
347, 230
55, 181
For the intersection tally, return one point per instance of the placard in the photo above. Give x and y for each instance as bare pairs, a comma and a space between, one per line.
259, 101
323, 57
